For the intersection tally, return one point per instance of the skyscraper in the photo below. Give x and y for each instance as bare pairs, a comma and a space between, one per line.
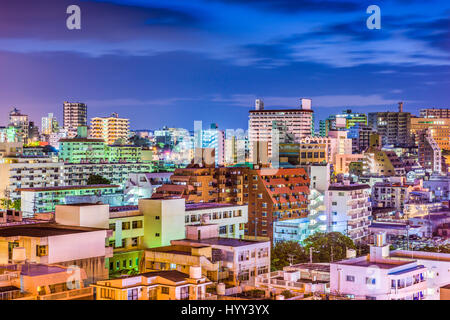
75, 115
20, 121
297, 122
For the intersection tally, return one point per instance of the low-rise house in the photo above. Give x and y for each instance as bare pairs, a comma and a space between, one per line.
157, 285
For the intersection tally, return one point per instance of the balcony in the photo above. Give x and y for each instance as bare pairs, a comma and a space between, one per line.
68, 295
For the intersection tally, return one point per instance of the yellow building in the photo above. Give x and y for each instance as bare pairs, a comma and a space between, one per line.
110, 128
439, 128
158, 285
343, 162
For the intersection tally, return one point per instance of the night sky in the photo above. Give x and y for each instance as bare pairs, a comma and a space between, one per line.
175, 61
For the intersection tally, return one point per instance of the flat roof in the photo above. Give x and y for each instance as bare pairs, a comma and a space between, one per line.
43, 230
282, 110
209, 205
355, 186
312, 266
367, 263
390, 226
231, 242
173, 275
91, 186
34, 270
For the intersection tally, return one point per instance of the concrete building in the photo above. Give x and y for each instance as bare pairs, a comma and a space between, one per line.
379, 276
143, 185
74, 116
21, 123
430, 154
49, 124
233, 261
28, 281
165, 219
48, 243
439, 129
110, 129
44, 199
348, 210
394, 127
156, 285
298, 123
435, 113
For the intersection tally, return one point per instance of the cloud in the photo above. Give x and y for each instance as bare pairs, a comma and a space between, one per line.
295, 6
324, 101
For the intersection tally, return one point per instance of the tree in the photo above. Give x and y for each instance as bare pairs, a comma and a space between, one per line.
97, 179
283, 252
328, 247
17, 204
5, 203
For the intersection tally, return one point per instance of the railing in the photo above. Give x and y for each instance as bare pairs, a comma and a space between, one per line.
67, 295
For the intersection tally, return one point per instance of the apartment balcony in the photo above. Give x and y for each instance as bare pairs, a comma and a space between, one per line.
68, 295
413, 288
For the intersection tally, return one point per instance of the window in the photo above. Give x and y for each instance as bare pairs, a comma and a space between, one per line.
351, 278
137, 224
112, 226
341, 194
134, 242
133, 294
156, 217
124, 263
125, 225
157, 234
223, 230
334, 203
165, 290
370, 280
41, 251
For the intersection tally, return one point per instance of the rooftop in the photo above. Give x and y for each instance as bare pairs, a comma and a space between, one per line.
342, 187
367, 263
80, 187
42, 230
34, 270
206, 205
231, 242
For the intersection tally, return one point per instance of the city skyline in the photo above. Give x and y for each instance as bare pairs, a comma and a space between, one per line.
209, 60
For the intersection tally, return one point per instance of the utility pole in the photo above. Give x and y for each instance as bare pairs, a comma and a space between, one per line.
256, 223
291, 259
310, 255
331, 253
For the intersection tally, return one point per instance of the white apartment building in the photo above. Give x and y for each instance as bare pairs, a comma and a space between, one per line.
397, 275
38, 172
26, 172
390, 195
378, 276
336, 143
348, 210
297, 122
142, 185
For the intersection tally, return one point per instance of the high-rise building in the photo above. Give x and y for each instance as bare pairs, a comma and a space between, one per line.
110, 128
435, 113
430, 155
20, 121
49, 124
298, 123
394, 127
212, 138
75, 115
439, 130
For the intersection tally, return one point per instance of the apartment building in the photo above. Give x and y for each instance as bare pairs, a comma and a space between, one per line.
275, 194
110, 129
379, 276
439, 128
394, 127
34, 281
430, 154
156, 285
143, 185
49, 243
45, 199
343, 162
435, 113
74, 116
227, 260
21, 123
298, 123
165, 219
348, 210
390, 195
29, 172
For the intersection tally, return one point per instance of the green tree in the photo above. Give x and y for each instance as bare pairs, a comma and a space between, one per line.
97, 179
328, 247
5, 203
17, 204
283, 252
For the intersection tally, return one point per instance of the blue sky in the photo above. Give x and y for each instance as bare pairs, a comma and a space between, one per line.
172, 62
